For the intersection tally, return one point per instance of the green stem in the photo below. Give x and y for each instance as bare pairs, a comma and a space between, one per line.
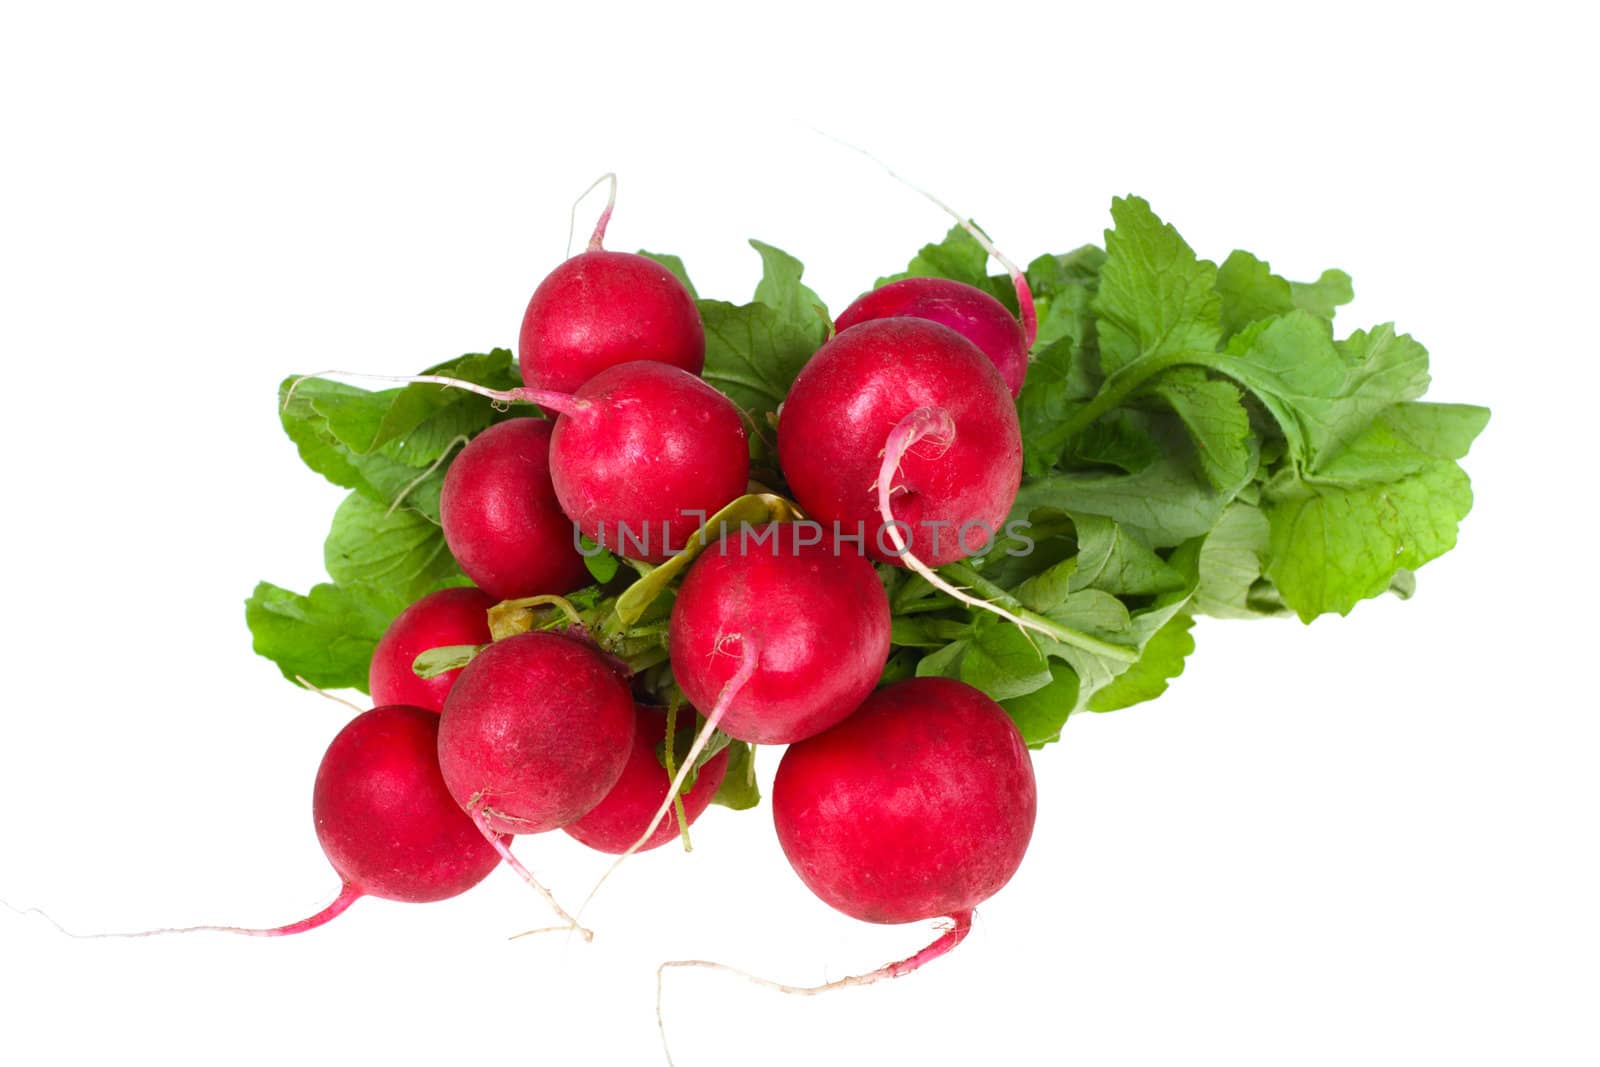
922, 607
650, 629
511, 617
670, 751
947, 629
912, 590
1113, 392
643, 661
966, 575
553, 601
961, 573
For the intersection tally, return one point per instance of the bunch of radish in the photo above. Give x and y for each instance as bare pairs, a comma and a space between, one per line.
675, 529
502, 710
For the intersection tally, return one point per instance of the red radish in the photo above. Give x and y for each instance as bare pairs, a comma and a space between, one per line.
640, 455
919, 805
780, 634
385, 821
501, 519
535, 733
384, 817
643, 454
446, 617
618, 821
819, 622
599, 309
969, 311
952, 472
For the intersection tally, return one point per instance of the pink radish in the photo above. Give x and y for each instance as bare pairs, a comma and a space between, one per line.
385, 821
622, 817
599, 309
920, 805
910, 410
778, 636
501, 519
446, 617
643, 454
535, 733
384, 817
969, 311
818, 621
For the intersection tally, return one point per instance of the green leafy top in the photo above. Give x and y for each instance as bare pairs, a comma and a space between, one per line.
755, 350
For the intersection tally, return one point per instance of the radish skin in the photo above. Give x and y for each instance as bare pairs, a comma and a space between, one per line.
599, 309
621, 818
967, 310
446, 617
501, 519
952, 492
818, 619
646, 454
381, 814
919, 805
535, 732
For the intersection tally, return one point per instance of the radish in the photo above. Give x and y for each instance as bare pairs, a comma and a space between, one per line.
599, 309
390, 826
780, 636
918, 806
643, 454
501, 519
618, 820
640, 456
818, 620
903, 413
446, 617
602, 308
970, 311
384, 817
902, 432
385, 821
535, 733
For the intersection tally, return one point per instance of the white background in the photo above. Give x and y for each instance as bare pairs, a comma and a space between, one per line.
1370, 841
